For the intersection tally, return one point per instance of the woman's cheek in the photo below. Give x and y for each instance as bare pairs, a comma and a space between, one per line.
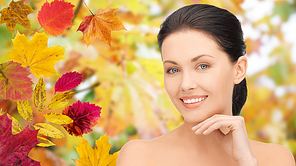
170, 85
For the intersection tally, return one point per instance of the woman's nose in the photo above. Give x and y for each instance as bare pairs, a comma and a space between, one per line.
188, 82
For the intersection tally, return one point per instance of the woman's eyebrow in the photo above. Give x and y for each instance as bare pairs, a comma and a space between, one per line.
168, 61
192, 60
199, 56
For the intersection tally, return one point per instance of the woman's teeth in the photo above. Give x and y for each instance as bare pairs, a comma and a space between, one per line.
194, 100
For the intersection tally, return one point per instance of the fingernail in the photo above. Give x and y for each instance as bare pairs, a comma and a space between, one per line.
193, 128
196, 131
204, 131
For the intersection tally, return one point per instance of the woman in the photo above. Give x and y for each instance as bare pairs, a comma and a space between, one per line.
203, 51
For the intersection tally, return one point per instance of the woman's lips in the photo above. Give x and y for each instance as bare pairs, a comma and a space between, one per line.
192, 102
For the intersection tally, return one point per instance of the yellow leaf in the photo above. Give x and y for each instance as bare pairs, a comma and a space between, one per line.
98, 156
2, 112
16, 13
44, 142
48, 130
16, 126
25, 110
40, 95
60, 100
58, 118
35, 54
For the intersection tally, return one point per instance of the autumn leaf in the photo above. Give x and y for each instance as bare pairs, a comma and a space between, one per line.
48, 130
16, 13
16, 126
36, 56
58, 118
100, 26
40, 95
84, 117
44, 142
25, 110
68, 81
14, 82
98, 156
14, 149
60, 100
56, 16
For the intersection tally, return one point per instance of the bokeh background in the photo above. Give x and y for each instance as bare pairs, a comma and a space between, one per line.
126, 80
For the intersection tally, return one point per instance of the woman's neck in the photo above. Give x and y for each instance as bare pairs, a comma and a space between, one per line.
199, 141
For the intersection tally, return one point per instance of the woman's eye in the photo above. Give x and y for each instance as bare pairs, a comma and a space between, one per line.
174, 70
203, 67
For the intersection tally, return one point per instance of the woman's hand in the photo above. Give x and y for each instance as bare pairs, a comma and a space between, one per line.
235, 142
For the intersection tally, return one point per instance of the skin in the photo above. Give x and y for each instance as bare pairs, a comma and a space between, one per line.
195, 65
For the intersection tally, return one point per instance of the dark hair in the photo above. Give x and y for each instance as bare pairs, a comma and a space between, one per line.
222, 26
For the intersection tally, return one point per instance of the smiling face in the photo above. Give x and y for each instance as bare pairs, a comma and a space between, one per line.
198, 76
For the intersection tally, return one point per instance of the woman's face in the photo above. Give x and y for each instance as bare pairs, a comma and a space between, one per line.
198, 75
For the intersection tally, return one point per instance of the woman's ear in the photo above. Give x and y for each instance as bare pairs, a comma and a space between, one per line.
240, 69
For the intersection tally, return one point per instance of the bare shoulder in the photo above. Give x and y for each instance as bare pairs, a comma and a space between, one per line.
140, 152
133, 152
272, 154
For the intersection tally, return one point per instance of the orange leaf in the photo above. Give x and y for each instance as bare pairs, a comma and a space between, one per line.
100, 25
16, 13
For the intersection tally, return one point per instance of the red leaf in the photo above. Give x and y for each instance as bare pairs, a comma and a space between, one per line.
84, 117
14, 149
68, 81
14, 82
56, 16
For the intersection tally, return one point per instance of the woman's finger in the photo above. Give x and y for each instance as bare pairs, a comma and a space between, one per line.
201, 127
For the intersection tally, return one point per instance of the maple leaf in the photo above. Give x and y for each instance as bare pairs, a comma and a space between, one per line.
14, 149
100, 25
84, 117
68, 81
14, 82
35, 54
56, 16
98, 156
16, 13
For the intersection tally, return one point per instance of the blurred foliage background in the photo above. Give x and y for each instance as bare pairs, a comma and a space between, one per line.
126, 80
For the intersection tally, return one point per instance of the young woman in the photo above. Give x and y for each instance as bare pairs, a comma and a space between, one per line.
203, 52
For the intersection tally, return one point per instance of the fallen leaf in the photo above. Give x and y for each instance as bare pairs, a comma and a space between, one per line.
25, 110
14, 149
44, 142
40, 95
58, 118
60, 100
68, 81
36, 56
56, 16
16, 126
8, 105
14, 82
48, 130
84, 117
100, 26
16, 13
98, 156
